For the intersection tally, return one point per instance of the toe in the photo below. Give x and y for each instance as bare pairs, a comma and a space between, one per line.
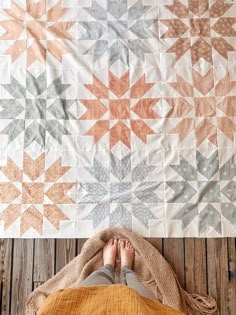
122, 243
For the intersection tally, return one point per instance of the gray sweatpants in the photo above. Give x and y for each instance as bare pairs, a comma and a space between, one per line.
105, 276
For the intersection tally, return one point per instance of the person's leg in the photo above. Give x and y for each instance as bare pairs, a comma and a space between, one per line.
127, 276
104, 275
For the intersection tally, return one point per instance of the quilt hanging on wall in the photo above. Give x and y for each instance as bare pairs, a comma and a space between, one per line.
117, 113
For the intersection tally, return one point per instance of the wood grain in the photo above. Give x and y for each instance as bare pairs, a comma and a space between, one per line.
195, 266
231, 298
217, 271
5, 276
201, 265
22, 272
173, 251
156, 242
65, 252
44, 260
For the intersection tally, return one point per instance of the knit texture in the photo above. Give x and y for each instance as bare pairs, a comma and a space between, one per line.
150, 266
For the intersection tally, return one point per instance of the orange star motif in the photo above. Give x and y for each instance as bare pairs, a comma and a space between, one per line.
199, 25
33, 193
36, 30
206, 130
120, 109
184, 128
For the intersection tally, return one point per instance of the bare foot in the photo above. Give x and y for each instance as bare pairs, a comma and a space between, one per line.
109, 252
126, 253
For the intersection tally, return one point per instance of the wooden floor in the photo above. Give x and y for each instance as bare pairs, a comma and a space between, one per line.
202, 266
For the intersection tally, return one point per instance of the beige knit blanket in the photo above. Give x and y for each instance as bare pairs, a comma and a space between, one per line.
152, 270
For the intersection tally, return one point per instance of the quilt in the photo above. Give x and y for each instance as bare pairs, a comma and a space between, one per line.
117, 113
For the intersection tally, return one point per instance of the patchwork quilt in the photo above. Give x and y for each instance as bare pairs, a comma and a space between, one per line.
117, 113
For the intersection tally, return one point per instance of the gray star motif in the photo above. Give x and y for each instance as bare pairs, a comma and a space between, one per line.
34, 97
230, 191
209, 191
209, 216
228, 170
186, 214
183, 192
105, 192
207, 166
185, 170
121, 217
117, 28
229, 212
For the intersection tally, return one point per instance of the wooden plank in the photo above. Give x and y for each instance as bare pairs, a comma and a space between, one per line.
5, 275
65, 252
2, 267
217, 272
44, 260
22, 272
220, 267
80, 243
231, 298
36, 285
173, 251
2, 255
195, 266
156, 242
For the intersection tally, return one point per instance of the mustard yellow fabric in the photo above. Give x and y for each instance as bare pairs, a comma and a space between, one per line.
102, 300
